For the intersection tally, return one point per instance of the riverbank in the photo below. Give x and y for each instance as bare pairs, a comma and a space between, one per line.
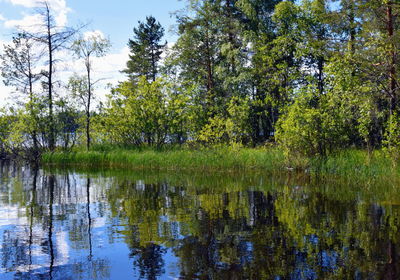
172, 159
348, 163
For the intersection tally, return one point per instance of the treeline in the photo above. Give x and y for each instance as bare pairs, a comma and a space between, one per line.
313, 75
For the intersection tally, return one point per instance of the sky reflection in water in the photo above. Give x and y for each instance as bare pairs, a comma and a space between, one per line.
151, 225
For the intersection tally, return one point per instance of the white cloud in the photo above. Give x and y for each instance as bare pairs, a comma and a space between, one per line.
2, 43
29, 23
5, 92
25, 3
112, 63
94, 33
58, 8
167, 51
107, 69
2, 18
55, 5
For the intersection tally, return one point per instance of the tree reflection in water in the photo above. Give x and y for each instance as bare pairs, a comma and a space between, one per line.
150, 225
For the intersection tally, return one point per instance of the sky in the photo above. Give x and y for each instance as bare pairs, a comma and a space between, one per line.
113, 19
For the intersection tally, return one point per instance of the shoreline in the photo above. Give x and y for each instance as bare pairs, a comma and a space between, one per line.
347, 163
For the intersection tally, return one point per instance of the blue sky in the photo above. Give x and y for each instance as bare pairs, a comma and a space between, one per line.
115, 19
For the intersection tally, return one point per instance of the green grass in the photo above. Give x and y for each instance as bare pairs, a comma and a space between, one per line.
172, 159
351, 164
360, 163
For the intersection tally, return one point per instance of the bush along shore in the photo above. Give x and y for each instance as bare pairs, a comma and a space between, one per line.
347, 163
302, 74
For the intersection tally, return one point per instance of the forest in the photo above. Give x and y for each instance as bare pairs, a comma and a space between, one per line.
309, 77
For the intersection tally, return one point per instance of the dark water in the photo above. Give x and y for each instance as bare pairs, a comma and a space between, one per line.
149, 225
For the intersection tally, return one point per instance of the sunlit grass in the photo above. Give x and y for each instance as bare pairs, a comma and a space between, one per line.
174, 159
355, 162
347, 163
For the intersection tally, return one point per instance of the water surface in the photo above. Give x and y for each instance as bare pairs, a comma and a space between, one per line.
64, 224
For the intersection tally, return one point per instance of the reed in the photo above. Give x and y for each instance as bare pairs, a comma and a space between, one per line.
350, 163
222, 158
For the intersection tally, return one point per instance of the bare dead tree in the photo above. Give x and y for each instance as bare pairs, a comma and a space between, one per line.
53, 38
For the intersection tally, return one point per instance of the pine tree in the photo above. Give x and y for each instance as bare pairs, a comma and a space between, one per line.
146, 50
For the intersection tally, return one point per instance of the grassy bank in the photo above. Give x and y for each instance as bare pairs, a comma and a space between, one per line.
348, 163
173, 159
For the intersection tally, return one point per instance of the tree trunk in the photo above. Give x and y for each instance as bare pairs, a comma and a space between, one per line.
209, 65
153, 65
392, 55
88, 140
352, 34
32, 113
52, 141
321, 75
231, 36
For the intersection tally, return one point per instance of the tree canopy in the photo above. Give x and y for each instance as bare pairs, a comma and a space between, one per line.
146, 49
313, 76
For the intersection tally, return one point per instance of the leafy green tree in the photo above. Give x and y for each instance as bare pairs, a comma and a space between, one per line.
18, 126
182, 115
149, 113
233, 69
371, 46
232, 129
306, 130
146, 50
19, 61
212, 42
68, 122
392, 137
360, 72
93, 45
214, 132
6, 123
276, 68
197, 48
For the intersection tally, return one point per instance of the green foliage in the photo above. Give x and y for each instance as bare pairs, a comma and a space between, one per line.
183, 115
392, 138
215, 131
69, 125
232, 129
92, 45
320, 76
307, 130
6, 123
238, 120
19, 127
149, 112
299, 131
18, 63
146, 50
82, 86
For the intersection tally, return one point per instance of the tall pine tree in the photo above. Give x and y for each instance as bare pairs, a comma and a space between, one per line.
146, 49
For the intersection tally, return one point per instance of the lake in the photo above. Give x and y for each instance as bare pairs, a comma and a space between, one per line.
115, 224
